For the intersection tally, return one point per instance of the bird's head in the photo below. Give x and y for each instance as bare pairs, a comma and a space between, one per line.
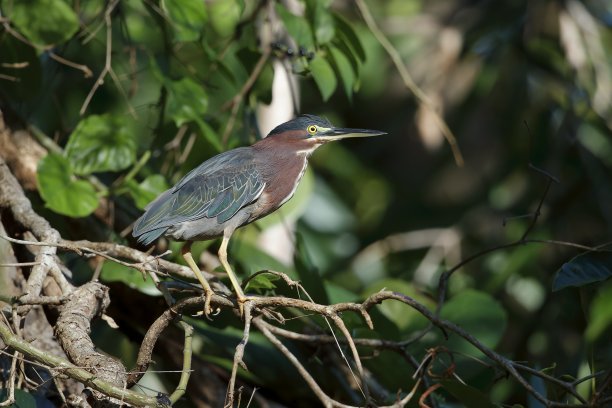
316, 130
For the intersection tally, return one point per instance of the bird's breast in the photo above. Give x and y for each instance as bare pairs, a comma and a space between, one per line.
282, 177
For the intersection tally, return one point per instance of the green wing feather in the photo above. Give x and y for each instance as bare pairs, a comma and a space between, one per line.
219, 188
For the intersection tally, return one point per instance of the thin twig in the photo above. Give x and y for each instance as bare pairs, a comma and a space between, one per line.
108, 68
238, 355
10, 399
81, 67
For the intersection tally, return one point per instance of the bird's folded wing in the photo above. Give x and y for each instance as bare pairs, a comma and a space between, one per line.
220, 194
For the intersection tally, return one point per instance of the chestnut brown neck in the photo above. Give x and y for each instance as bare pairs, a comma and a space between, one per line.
282, 160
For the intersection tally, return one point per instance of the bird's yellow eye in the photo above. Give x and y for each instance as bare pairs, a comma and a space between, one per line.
312, 129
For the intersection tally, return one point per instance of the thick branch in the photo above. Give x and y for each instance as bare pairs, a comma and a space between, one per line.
65, 367
73, 328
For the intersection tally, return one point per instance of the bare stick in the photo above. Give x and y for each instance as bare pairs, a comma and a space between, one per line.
238, 355
10, 400
108, 58
81, 67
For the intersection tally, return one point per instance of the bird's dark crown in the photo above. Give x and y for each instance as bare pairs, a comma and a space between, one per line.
301, 123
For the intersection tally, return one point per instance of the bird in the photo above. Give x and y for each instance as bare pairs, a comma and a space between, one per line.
235, 188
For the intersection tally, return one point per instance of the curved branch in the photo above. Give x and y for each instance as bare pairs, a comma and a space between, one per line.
73, 328
67, 368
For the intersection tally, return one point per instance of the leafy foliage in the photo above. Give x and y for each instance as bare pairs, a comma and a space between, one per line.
101, 143
61, 191
44, 22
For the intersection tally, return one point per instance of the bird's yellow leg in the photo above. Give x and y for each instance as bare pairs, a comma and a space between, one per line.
237, 288
208, 292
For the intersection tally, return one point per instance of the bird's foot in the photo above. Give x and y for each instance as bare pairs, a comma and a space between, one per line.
207, 295
242, 299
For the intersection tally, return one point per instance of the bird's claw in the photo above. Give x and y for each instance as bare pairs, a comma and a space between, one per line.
207, 308
242, 299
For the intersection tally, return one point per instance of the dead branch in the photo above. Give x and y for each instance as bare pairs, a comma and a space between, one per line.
73, 328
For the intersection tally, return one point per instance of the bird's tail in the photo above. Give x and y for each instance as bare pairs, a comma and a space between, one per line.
148, 237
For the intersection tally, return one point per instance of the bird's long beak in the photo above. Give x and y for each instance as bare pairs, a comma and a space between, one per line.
345, 133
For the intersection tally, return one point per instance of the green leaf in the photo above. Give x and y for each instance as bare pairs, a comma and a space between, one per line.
187, 101
224, 16
209, 134
114, 272
308, 272
262, 282
101, 143
61, 191
584, 269
188, 18
324, 76
405, 318
600, 314
596, 142
349, 54
297, 27
262, 89
343, 66
148, 190
44, 22
252, 259
479, 314
321, 20
347, 33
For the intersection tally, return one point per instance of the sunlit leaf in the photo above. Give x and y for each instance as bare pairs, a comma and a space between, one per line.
148, 190
262, 282
346, 30
600, 317
114, 272
343, 47
405, 318
187, 101
343, 66
101, 143
584, 269
596, 141
188, 18
321, 20
254, 259
324, 76
43, 22
297, 27
62, 192
224, 16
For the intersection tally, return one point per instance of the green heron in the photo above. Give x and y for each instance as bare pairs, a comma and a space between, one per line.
236, 188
